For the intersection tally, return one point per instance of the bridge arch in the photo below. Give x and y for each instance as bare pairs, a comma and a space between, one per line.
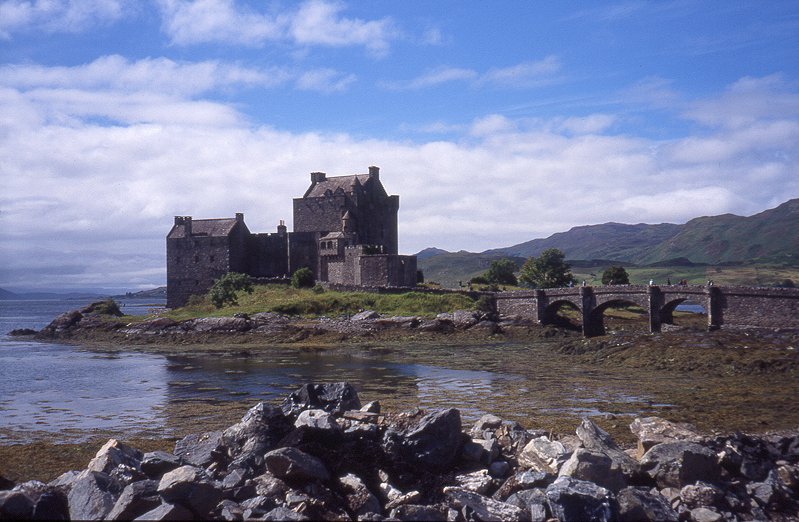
595, 320
549, 314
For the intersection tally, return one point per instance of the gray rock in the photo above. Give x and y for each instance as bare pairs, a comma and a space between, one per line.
284, 513
293, 464
654, 430
192, 488
677, 464
91, 496
417, 512
595, 439
155, 463
334, 397
464, 318
360, 500
572, 500
15, 505
65, 480
478, 481
523, 480
365, 315
533, 502
542, 454
135, 500
411, 497
481, 451
167, 511
199, 449
113, 454
486, 422
230, 511
595, 467
49, 502
371, 407
218, 324
701, 494
434, 442
484, 508
640, 505
269, 485
318, 420
703, 514
436, 325
499, 469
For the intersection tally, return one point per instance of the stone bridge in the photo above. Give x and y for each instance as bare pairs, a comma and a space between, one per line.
729, 306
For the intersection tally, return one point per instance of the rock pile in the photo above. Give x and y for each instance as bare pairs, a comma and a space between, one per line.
322, 455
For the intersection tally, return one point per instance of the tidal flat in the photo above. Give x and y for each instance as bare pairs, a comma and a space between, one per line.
721, 382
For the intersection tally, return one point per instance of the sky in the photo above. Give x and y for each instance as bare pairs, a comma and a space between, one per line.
496, 122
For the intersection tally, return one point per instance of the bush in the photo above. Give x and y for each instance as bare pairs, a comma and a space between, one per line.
318, 289
478, 280
303, 278
615, 275
224, 289
501, 272
485, 305
549, 270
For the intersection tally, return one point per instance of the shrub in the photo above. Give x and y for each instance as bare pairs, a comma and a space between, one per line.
224, 289
501, 272
615, 275
318, 289
302, 278
479, 280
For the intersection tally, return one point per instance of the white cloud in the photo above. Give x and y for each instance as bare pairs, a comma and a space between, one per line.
525, 74
313, 23
325, 80
56, 16
92, 202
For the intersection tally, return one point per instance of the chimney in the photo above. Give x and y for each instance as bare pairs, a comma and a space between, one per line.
374, 172
186, 222
281, 228
318, 177
240, 217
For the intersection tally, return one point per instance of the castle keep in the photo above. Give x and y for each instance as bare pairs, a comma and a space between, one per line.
345, 231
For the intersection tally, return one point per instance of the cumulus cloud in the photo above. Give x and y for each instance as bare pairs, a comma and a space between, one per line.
92, 200
56, 16
313, 23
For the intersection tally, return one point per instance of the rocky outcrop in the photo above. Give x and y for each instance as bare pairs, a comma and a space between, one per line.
320, 457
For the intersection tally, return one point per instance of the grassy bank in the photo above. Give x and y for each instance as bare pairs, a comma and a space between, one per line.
309, 303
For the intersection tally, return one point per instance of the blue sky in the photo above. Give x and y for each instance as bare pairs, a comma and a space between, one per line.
495, 122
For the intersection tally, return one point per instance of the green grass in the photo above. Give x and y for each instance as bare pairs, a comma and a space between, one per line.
307, 303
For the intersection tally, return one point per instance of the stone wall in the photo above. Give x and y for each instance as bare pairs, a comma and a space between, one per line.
757, 307
319, 214
268, 255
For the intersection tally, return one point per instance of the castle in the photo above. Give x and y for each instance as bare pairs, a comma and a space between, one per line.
345, 231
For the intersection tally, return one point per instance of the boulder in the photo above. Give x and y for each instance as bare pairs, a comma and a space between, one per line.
15, 505
478, 481
5, 483
677, 464
481, 451
92, 496
434, 442
483, 508
167, 511
192, 488
499, 469
464, 318
217, 324
414, 512
641, 505
282, 513
365, 315
701, 494
155, 463
199, 449
371, 407
334, 397
521, 481
595, 439
533, 502
595, 467
360, 500
572, 500
62, 323
542, 454
703, 514
136, 499
113, 454
318, 420
295, 465
655, 430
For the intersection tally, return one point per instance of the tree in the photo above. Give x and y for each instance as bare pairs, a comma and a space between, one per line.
302, 278
549, 270
224, 289
501, 272
615, 275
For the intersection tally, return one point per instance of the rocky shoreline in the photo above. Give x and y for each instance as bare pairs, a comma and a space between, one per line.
321, 455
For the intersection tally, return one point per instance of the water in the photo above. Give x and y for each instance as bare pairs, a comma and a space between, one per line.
68, 394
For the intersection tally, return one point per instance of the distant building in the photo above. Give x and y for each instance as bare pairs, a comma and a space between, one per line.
345, 231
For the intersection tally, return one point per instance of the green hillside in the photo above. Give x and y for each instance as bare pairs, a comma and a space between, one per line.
695, 251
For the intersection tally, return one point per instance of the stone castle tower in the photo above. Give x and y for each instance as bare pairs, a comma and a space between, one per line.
345, 231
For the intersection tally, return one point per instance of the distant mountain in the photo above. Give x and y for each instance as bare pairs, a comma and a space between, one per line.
5, 295
768, 237
430, 252
155, 293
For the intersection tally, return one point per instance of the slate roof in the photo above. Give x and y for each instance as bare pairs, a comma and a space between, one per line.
205, 227
345, 183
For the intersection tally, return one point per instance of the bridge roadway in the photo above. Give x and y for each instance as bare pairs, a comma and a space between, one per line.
726, 306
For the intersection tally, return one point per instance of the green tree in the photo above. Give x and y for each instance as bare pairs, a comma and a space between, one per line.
549, 270
224, 289
501, 272
302, 278
615, 275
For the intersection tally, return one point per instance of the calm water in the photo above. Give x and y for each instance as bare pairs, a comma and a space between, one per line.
70, 393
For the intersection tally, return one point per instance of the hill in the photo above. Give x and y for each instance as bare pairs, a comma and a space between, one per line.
5, 295
769, 237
